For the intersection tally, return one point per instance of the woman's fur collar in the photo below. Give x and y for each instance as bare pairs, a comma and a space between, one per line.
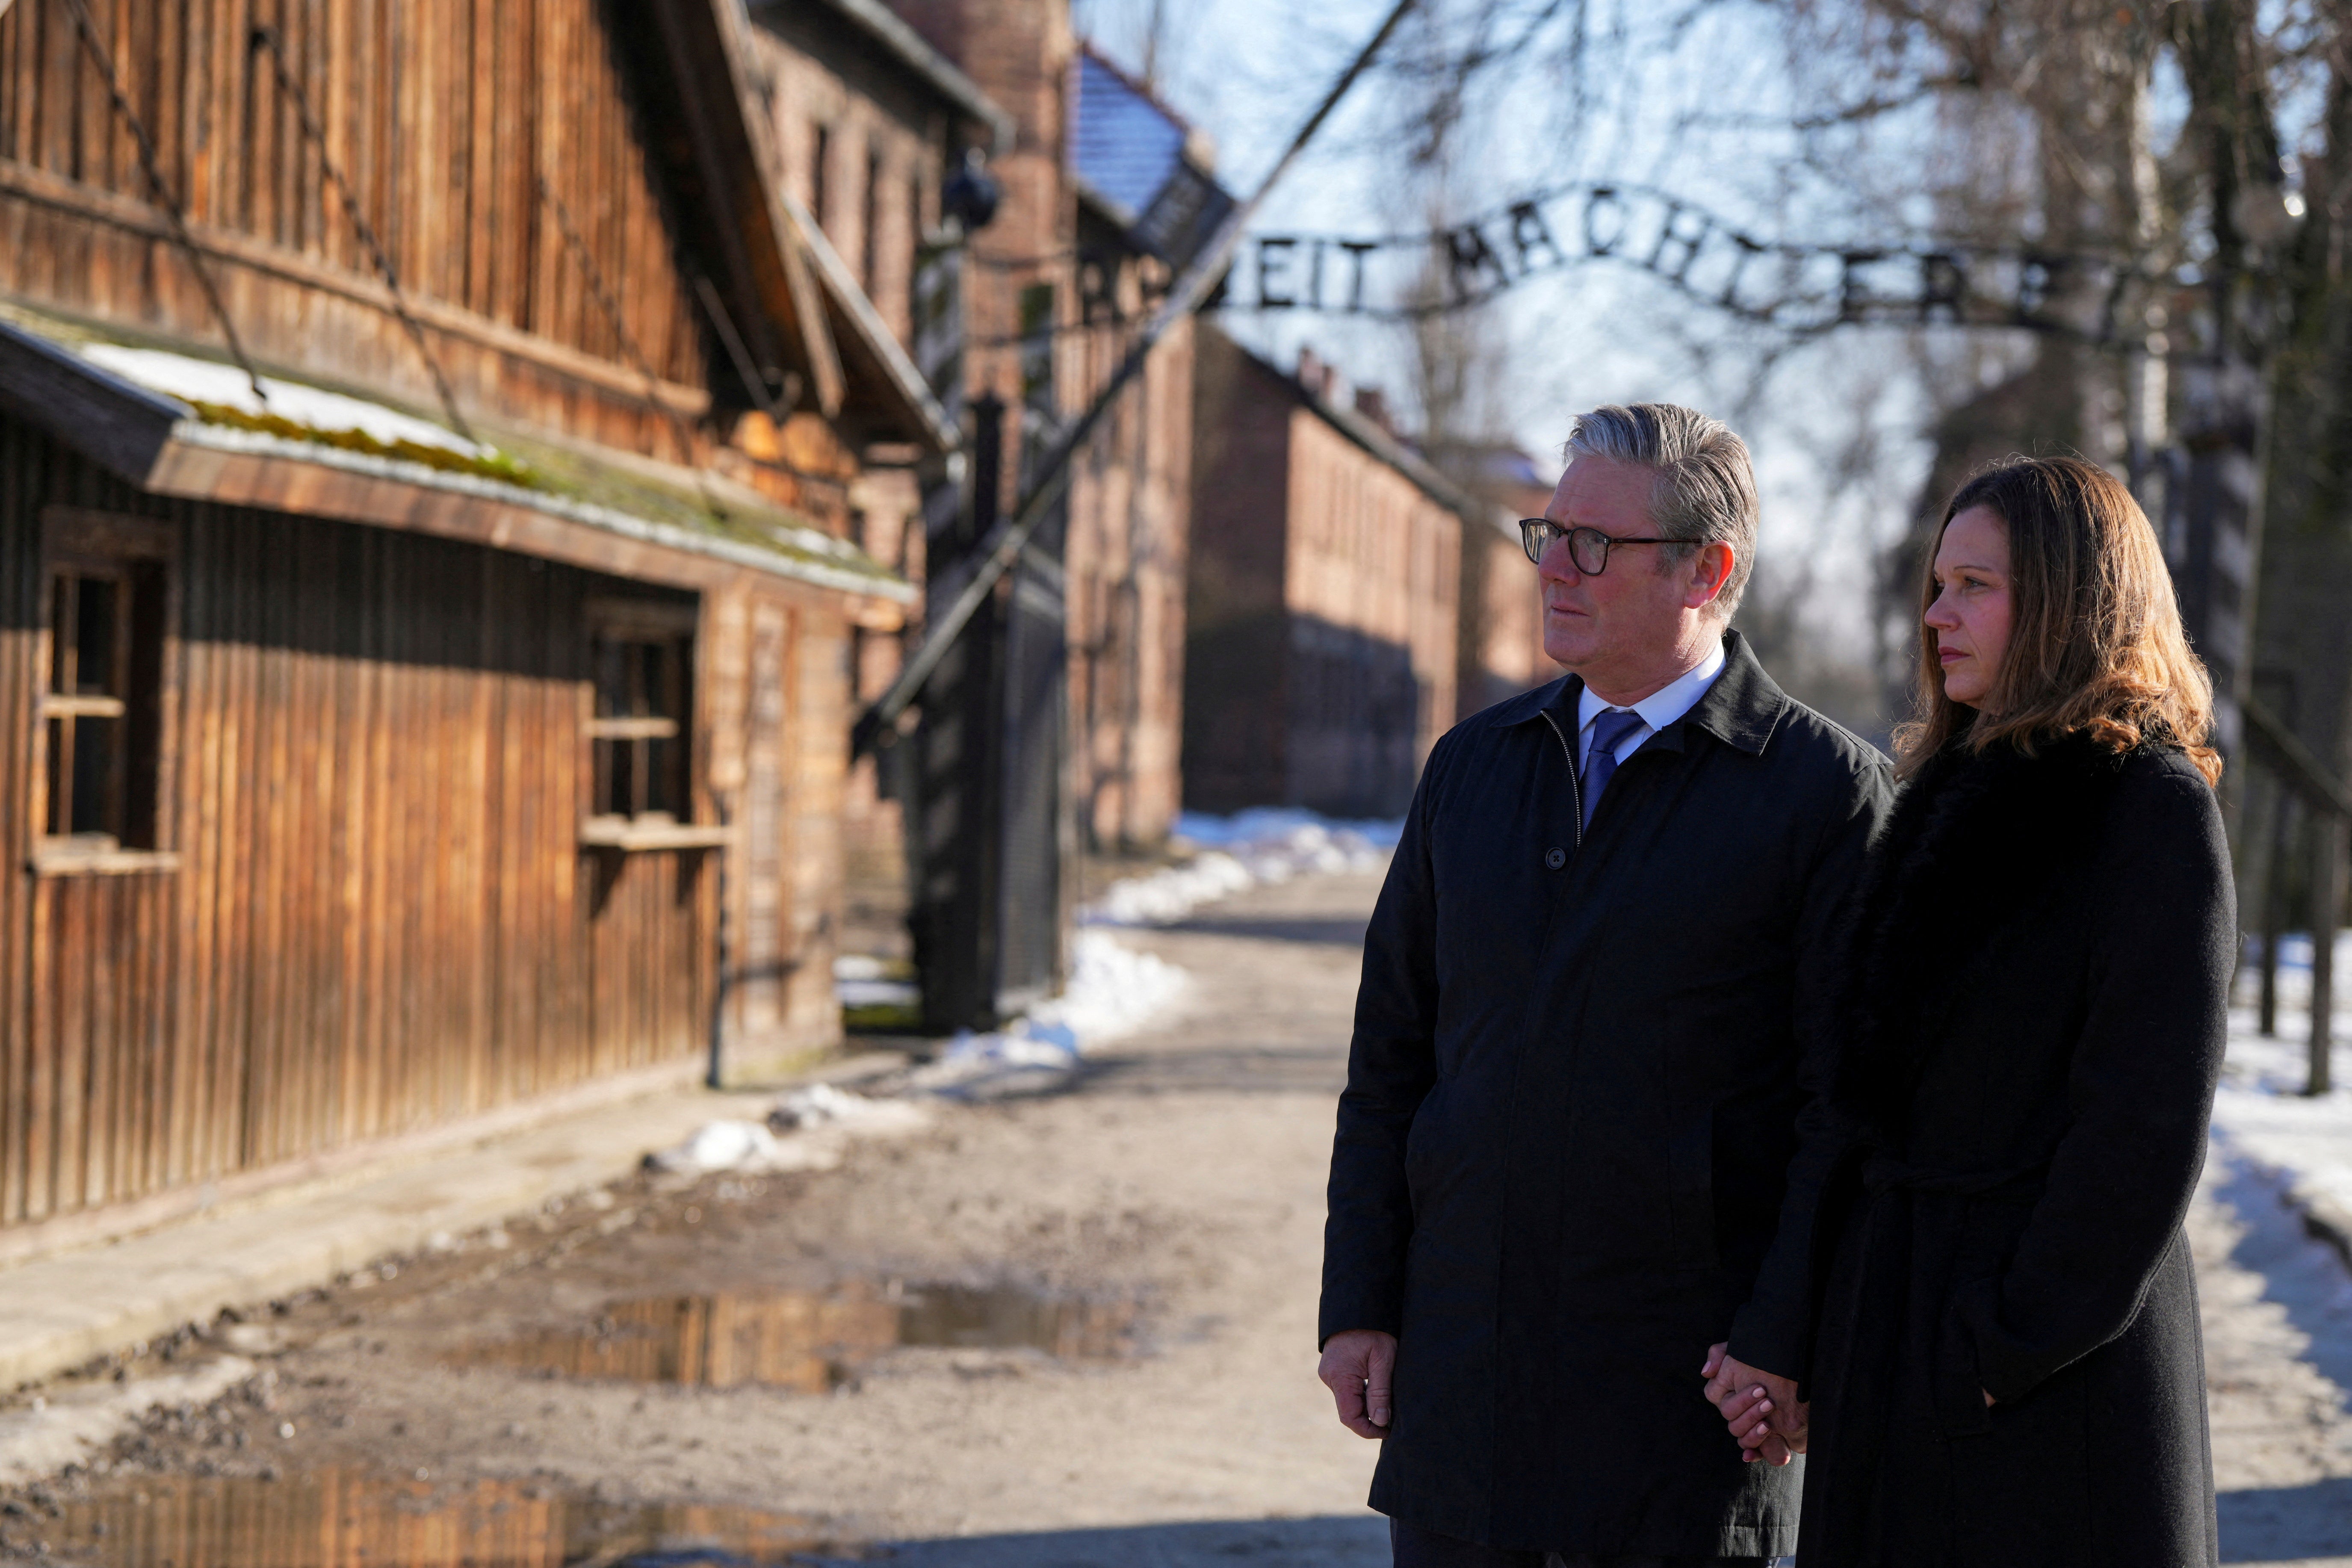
1976, 843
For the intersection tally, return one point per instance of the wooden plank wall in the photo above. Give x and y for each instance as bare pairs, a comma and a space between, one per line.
443, 114
380, 918
781, 663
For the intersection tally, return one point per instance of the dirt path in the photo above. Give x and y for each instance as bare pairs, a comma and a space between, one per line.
830, 1361
1169, 1213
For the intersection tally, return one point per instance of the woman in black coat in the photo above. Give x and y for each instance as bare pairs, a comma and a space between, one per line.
1981, 1281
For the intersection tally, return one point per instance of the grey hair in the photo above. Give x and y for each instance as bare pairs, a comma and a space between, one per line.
1706, 490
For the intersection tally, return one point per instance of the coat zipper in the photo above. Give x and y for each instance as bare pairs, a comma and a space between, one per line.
1575, 785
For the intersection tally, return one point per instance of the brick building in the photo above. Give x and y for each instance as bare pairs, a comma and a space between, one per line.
1145, 205
1105, 192
870, 123
1324, 594
1501, 648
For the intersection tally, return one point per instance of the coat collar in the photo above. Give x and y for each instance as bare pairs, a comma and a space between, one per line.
1741, 708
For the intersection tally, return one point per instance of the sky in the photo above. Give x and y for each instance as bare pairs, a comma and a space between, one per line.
1685, 104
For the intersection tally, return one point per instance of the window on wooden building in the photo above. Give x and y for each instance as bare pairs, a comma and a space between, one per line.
102, 691
642, 672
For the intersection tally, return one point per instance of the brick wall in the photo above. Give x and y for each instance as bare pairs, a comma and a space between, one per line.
1506, 622
1235, 725
1130, 500
1325, 599
856, 132
1372, 595
866, 144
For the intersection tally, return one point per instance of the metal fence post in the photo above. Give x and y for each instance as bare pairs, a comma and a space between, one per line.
2327, 908
2274, 895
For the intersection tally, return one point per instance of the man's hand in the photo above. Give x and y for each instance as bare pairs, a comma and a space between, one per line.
1761, 1408
1357, 1365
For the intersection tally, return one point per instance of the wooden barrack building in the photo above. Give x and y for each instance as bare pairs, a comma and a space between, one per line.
425, 452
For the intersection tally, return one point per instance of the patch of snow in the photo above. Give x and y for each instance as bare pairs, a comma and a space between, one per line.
1113, 992
745, 1146
823, 1105
1006, 1064
2295, 969
1166, 896
877, 993
860, 980
1247, 849
811, 1129
206, 381
2262, 1117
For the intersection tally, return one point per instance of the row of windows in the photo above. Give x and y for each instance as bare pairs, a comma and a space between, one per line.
869, 202
102, 712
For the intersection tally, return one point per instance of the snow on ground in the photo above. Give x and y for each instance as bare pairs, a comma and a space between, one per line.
2303, 1143
860, 980
1113, 991
1247, 849
811, 1129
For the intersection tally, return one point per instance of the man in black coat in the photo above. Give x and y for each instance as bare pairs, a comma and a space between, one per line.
1572, 1090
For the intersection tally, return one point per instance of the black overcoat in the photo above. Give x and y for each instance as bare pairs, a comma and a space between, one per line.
1990, 1194
1571, 1108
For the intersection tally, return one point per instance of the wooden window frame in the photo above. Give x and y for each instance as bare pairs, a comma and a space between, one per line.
142, 556
642, 622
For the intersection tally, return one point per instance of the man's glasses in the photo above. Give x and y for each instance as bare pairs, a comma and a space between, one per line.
1589, 548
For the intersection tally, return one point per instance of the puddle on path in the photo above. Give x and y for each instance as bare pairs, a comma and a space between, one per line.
351, 1518
809, 1340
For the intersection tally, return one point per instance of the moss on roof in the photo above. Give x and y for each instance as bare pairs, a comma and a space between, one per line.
541, 466
494, 465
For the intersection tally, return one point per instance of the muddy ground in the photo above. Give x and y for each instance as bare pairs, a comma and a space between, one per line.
1066, 1332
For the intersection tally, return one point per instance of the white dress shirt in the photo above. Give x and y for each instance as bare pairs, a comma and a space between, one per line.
1657, 711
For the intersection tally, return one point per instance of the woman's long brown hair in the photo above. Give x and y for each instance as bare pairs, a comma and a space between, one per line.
2096, 644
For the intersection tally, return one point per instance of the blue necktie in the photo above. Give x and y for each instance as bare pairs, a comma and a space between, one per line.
1610, 727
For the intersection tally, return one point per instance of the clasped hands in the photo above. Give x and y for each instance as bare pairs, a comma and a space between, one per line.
1762, 1410
1765, 1417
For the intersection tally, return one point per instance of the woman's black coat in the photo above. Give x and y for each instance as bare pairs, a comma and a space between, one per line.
1572, 1103
1990, 1194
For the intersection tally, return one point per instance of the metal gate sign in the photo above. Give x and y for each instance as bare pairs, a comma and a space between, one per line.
1796, 287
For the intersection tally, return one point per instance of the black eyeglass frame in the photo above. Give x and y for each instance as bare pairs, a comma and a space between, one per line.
1536, 534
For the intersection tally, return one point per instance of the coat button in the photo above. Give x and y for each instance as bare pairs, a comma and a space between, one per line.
1555, 858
